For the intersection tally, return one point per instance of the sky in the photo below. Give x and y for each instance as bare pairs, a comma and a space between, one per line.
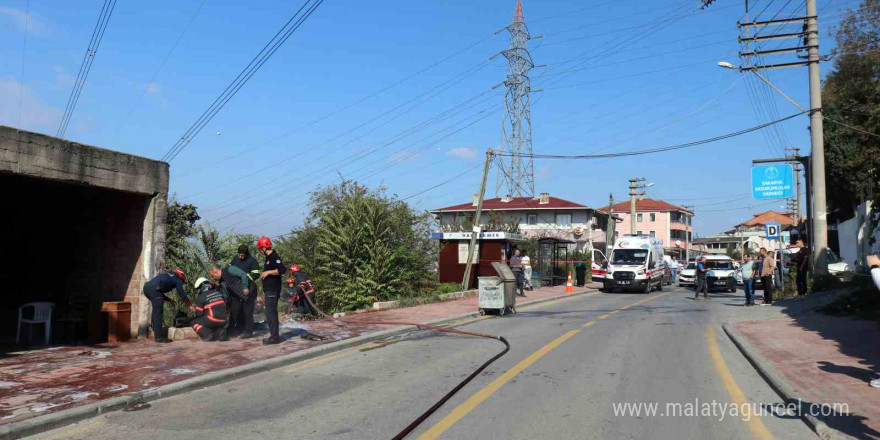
402, 95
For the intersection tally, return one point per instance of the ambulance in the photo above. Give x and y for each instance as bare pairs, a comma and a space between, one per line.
636, 263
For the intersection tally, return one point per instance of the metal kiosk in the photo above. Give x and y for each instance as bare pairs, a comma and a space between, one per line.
498, 293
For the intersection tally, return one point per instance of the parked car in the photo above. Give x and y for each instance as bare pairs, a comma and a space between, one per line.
688, 275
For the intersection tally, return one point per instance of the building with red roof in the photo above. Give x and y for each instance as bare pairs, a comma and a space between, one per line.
671, 223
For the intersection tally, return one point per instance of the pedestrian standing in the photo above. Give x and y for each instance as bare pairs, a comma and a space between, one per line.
517, 268
748, 271
874, 265
802, 262
155, 291
673, 269
527, 271
580, 270
241, 310
702, 285
768, 269
273, 268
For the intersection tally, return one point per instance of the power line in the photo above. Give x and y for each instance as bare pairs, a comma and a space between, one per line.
244, 76
161, 66
851, 127
667, 148
86, 65
353, 104
469, 170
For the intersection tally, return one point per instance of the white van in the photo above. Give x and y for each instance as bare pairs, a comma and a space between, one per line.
636, 263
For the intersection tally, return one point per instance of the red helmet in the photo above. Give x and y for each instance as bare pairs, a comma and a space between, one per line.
264, 243
294, 268
179, 274
290, 280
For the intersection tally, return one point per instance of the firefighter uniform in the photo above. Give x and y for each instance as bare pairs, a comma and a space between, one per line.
155, 291
304, 288
211, 314
272, 291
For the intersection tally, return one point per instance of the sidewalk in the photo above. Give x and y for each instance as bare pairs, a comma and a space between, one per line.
39, 382
818, 358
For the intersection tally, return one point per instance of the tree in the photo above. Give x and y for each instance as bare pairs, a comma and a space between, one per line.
367, 247
180, 223
851, 96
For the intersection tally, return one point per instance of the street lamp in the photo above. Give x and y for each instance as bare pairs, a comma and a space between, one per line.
726, 65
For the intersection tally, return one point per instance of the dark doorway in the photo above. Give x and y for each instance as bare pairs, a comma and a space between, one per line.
70, 244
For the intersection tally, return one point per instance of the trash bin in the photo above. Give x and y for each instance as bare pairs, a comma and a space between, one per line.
498, 293
118, 320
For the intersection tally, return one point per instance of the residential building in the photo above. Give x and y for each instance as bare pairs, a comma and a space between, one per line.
540, 217
656, 218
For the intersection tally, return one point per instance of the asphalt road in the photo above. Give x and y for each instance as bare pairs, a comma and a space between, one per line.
570, 363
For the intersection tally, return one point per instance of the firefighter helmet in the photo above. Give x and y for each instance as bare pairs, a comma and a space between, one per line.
264, 243
294, 268
200, 281
179, 274
290, 280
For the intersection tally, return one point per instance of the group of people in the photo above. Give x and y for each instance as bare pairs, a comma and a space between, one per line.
225, 303
763, 268
521, 266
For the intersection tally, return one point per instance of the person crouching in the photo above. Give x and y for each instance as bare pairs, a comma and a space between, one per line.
211, 312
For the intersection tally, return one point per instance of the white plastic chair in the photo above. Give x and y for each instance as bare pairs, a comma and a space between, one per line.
42, 315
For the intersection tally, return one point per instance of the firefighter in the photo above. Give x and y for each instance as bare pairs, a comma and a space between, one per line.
289, 296
241, 319
303, 288
155, 291
211, 312
273, 268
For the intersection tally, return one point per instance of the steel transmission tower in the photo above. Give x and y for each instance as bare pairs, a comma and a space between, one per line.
516, 174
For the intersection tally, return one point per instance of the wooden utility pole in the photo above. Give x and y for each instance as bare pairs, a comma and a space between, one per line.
475, 232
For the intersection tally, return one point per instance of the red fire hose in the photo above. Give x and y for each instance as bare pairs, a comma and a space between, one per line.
415, 423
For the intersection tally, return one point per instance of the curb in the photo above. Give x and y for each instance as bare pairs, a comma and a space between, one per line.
783, 387
70, 416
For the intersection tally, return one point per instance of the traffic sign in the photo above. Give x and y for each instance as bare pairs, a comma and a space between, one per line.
772, 230
772, 182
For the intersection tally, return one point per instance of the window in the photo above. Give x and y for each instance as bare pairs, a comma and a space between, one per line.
563, 219
638, 232
532, 219
653, 218
639, 217
653, 234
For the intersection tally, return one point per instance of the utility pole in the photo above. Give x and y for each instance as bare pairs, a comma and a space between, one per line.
817, 142
815, 166
475, 232
687, 233
612, 225
635, 185
797, 176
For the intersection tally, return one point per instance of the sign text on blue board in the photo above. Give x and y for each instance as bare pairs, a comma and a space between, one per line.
772, 182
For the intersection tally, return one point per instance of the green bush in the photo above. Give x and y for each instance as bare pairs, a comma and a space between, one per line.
863, 302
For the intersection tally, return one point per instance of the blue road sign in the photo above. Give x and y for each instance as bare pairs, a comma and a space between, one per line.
772, 182
772, 230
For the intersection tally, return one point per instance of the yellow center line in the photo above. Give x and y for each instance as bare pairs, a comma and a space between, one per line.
755, 425
319, 361
615, 311
474, 401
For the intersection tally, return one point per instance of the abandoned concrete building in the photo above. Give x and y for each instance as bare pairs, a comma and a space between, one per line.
83, 229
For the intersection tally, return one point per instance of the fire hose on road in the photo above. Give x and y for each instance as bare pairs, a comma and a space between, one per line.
412, 426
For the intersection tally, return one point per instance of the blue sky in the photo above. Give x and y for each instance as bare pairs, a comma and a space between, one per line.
619, 76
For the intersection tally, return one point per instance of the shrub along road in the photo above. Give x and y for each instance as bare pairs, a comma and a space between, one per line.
572, 364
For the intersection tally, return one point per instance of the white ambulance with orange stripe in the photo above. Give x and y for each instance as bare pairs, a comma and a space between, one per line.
636, 263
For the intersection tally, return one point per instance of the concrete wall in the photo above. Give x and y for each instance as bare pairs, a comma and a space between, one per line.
110, 210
